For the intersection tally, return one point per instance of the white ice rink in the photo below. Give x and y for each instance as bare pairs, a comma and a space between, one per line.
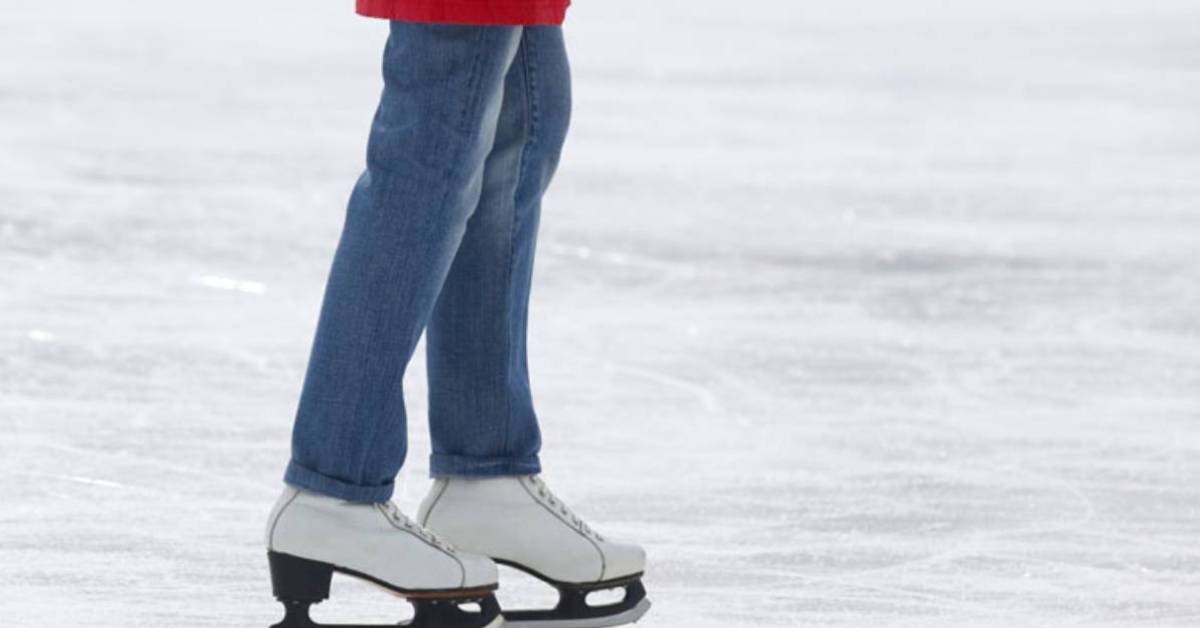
856, 313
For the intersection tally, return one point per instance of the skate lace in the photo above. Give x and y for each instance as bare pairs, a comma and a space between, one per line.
398, 518
551, 500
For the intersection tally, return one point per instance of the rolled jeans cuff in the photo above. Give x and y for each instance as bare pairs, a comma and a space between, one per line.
444, 465
302, 477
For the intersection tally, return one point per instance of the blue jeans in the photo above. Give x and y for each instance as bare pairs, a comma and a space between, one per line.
439, 236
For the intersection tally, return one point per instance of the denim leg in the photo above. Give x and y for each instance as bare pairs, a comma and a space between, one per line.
482, 420
435, 125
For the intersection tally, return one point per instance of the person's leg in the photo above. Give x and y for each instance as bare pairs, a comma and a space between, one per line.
482, 420
435, 125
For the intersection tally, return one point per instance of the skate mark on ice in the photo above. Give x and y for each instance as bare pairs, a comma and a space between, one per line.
206, 474
982, 544
217, 282
1145, 542
899, 595
78, 479
1089, 507
671, 270
41, 335
702, 395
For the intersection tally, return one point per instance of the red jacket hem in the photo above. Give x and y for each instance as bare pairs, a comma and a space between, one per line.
491, 12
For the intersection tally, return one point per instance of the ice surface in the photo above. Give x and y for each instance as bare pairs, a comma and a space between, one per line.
856, 313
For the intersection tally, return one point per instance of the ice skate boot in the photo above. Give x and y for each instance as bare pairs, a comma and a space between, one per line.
311, 536
518, 522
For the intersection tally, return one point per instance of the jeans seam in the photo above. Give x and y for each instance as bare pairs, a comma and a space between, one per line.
473, 80
530, 130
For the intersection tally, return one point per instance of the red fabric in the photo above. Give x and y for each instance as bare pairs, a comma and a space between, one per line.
510, 12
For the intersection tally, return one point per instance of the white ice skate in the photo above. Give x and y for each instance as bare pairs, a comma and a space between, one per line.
311, 536
518, 522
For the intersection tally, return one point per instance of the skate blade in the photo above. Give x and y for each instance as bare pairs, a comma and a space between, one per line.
620, 619
497, 623
299, 583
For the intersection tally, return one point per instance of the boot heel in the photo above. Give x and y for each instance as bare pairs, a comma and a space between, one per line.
295, 579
